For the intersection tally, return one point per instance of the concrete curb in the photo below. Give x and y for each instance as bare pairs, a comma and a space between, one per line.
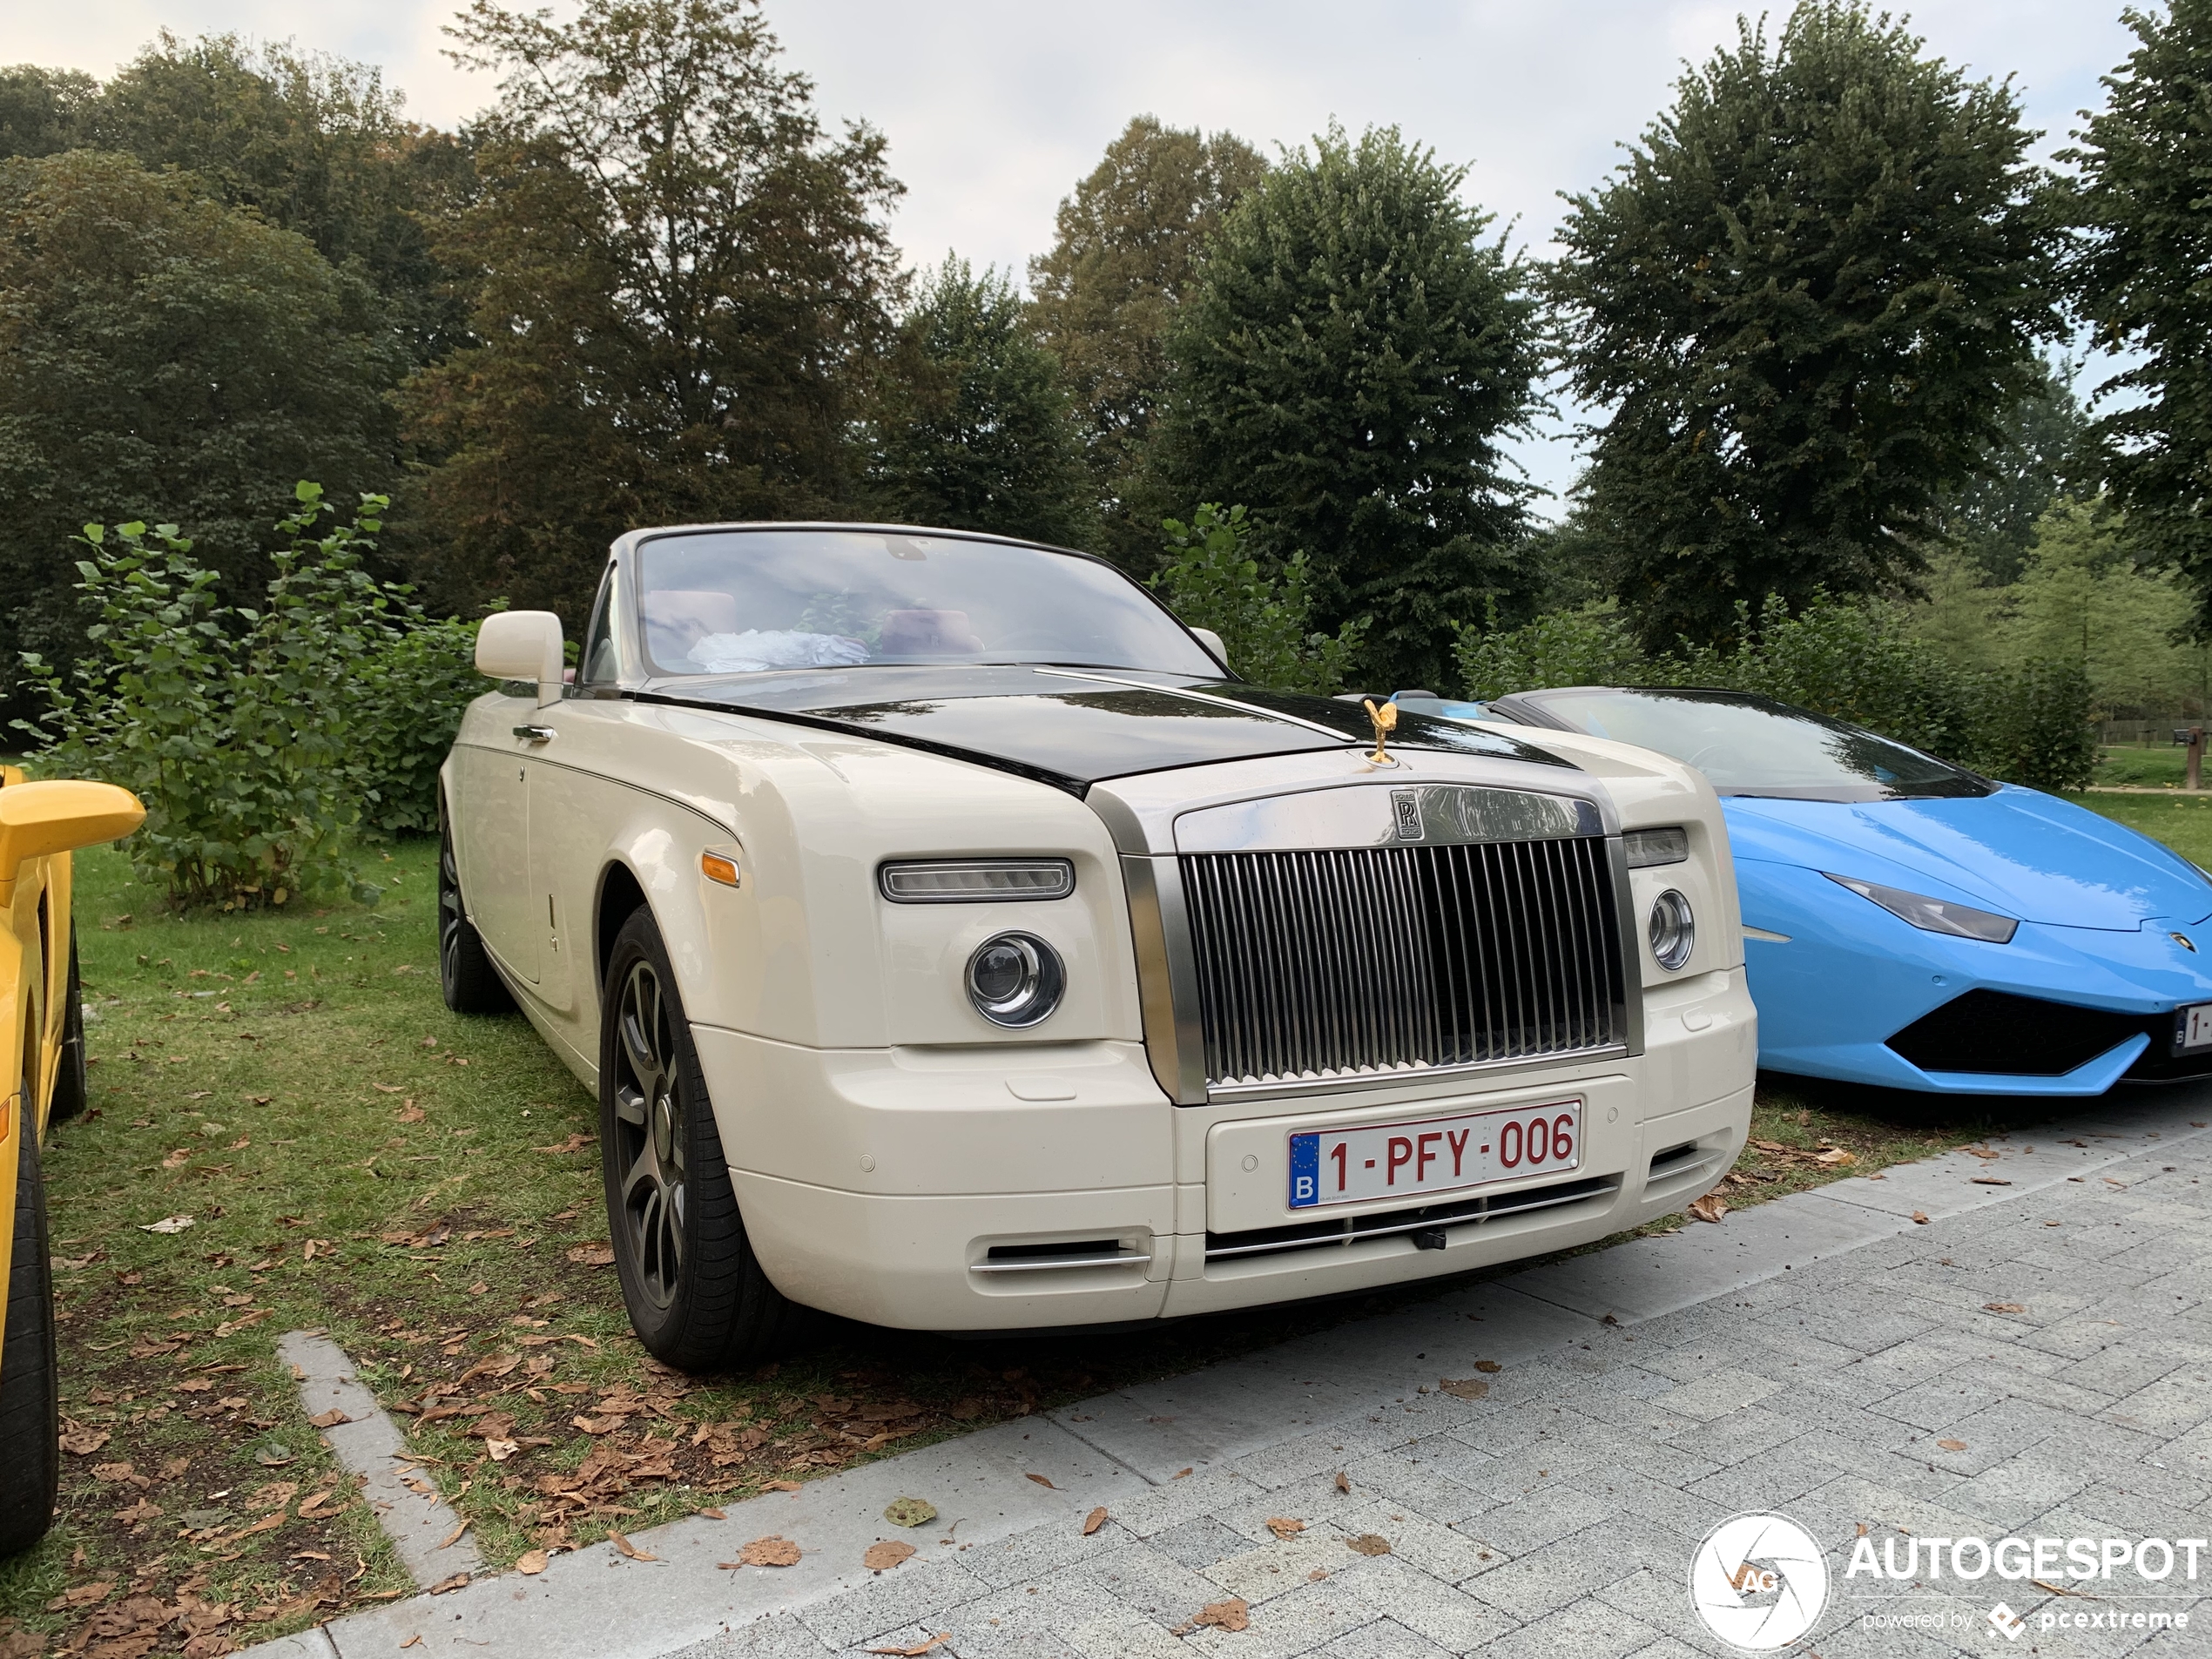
416, 1518
594, 1604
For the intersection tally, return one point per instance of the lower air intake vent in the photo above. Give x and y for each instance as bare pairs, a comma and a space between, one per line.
1994, 1032
1353, 1229
1060, 1257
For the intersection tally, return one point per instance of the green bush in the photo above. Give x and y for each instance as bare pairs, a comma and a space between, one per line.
1853, 660
256, 737
413, 687
1211, 582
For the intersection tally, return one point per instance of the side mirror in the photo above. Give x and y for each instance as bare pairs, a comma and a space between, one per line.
1211, 641
522, 645
37, 820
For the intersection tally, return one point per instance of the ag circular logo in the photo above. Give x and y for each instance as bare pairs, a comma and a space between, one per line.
1758, 1582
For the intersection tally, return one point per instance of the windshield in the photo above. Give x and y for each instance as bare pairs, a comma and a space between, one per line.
1753, 746
747, 601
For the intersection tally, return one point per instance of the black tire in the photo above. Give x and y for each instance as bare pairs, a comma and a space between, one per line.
73, 1086
697, 1297
30, 1453
469, 982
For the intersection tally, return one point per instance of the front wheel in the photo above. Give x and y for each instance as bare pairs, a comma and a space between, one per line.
696, 1294
31, 1450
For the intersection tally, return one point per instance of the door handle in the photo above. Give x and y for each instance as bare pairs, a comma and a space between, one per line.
535, 734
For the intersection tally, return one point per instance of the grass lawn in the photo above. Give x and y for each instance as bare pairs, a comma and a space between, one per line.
2162, 766
2183, 822
356, 1159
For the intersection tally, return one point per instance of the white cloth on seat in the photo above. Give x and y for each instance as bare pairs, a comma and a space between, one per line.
757, 650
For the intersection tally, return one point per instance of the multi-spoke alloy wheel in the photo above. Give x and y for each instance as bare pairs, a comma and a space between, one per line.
649, 1141
696, 1296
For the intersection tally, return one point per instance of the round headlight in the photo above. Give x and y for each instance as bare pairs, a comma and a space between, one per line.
1015, 978
1672, 930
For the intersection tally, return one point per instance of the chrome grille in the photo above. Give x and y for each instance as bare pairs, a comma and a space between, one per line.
1335, 963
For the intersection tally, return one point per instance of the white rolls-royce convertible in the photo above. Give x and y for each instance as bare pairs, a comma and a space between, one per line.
954, 942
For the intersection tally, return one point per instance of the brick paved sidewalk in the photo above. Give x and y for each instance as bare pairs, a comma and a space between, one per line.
1556, 1517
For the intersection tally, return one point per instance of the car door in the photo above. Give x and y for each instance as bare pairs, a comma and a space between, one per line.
495, 871
564, 833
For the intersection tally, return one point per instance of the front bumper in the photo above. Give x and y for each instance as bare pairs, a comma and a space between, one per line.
1015, 1187
1839, 982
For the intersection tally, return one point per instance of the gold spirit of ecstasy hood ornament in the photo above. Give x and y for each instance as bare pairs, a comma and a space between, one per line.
1386, 720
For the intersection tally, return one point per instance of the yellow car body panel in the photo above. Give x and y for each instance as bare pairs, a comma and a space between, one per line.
39, 825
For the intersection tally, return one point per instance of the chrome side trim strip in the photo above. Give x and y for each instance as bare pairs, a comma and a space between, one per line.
1338, 1241
1632, 945
1167, 978
1052, 1263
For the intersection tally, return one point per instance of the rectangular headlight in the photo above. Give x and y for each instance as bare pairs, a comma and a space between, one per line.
976, 880
1934, 916
1651, 847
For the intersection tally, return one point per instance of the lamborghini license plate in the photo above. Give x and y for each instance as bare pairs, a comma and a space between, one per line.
2196, 1024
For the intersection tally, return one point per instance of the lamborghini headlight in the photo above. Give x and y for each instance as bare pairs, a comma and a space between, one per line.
1934, 916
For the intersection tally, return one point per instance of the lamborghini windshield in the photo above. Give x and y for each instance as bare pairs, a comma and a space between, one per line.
747, 601
1754, 745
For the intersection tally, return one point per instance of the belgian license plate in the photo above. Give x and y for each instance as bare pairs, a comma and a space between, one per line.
2197, 1025
1441, 1154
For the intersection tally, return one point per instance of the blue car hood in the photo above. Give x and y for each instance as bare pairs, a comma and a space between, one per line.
2017, 852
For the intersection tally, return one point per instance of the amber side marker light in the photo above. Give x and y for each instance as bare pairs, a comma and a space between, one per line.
720, 867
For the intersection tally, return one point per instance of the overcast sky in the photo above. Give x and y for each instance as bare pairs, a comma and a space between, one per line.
994, 109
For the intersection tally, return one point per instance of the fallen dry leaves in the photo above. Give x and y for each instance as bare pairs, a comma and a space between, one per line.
919, 1647
1284, 1527
772, 1551
2005, 1307
1231, 1615
593, 1255
886, 1553
1711, 1207
1041, 1482
1094, 1521
530, 1562
1465, 1388
1344, 1483
445, 1586
631, 1549
1919, 1218
1369, 1543
1952, 1446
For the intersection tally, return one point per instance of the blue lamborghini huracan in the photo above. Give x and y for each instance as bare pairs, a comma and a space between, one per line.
1907, 923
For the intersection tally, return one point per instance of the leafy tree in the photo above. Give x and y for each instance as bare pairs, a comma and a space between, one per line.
1808, 299
2140, 272
167, 355
1211, 580
674, 272
1348, 363
2044, 450
969, 427
42, 111
1126, 250
309, 142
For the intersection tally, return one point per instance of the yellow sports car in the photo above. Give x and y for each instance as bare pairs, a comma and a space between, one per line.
41, 1016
